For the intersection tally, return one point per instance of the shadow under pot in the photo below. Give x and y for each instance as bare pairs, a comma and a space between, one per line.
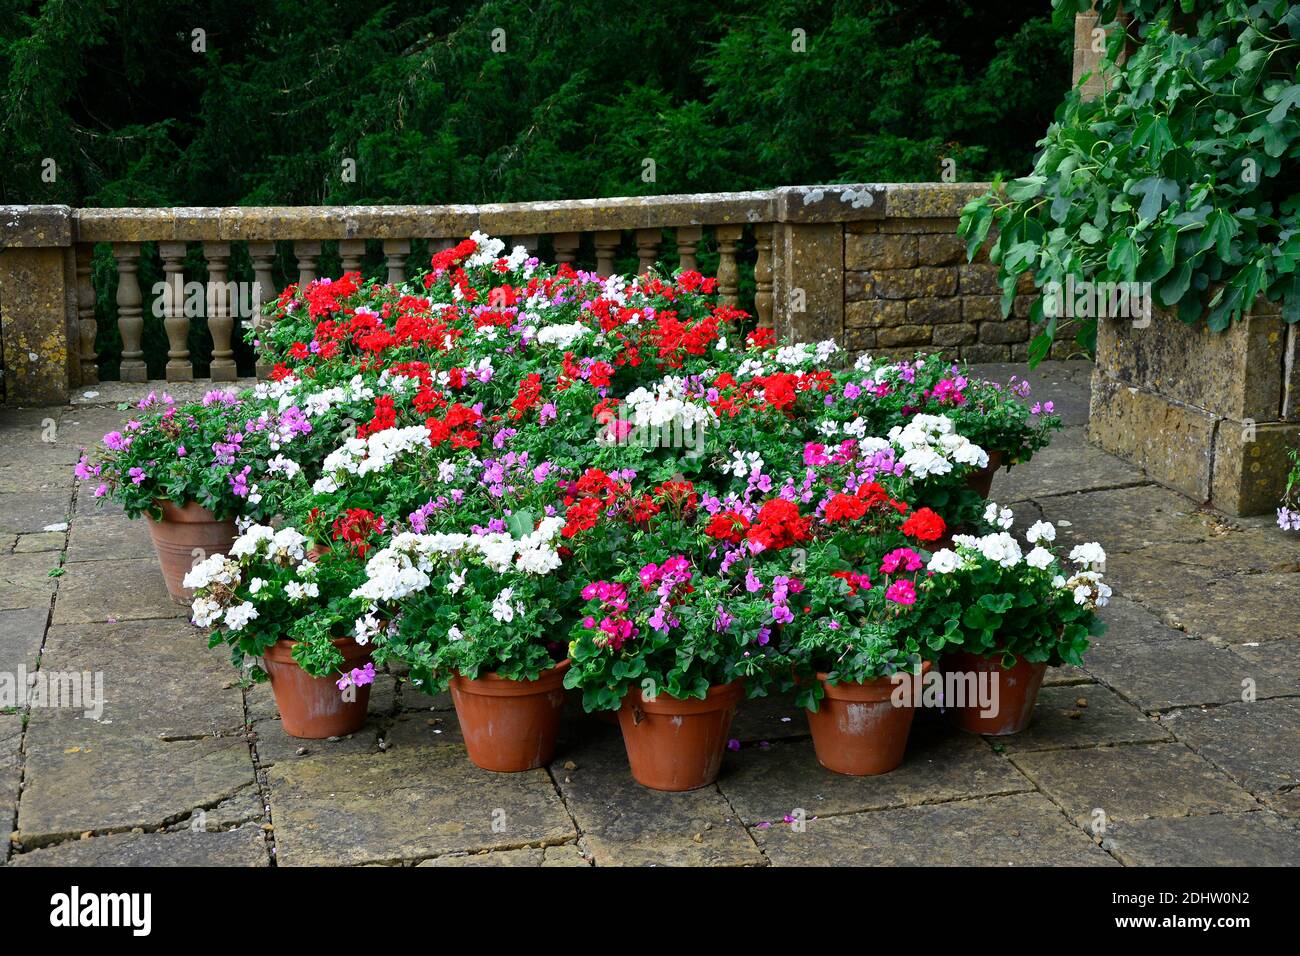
861, 729
186, 535
314, 708
982, 481
510, 725
677, 744
1004, 697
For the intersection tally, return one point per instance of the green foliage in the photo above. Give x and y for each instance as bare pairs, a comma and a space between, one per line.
1181, 175
583, 92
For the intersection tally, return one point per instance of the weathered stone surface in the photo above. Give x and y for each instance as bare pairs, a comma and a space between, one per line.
408, 803
245, 846
1223, 839
1232, 548
1133, 782
904, 335
1235, 374
11, 731
1060, 721
1172, 443
1066, 675
808, 269
1126, 519
934, 312
24, 513
25, 579
930, 200
764, 785
93, 591
36, 227
83, 776
109, 538
1255, 742
564, 855
871, 252
769, 718
185, 691
1068, 465
1004, 332
946, 336
1251, 464
874, 313
625, 824
1280, 658
40, 541
1018, 830
830, 204
21, 632
37, 357
1179, 672
919, 283
941, 250
985, 353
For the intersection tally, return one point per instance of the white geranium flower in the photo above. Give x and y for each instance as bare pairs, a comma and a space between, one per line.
1039, 558
944, 561
239, 615
1041, 531
1088, 554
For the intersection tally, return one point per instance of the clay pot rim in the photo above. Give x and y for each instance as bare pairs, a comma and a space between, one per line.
876, 689
189, 513
281, 652
492, 684
994, 660
719, 696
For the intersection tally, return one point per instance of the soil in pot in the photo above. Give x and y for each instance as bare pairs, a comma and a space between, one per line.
313, 707
982, 480
510, 725
678, 744
858, 729
185, 536
1016, 689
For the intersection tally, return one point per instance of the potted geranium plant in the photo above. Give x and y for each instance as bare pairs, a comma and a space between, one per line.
474, 612
1013, 611
266, 600
184, 467
673, 647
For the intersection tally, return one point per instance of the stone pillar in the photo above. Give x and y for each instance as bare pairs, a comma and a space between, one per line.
351, 254
688, 240
395, 253
763, 275
1208, 414
647, 249
566, 246
87, 329
221, 304
130, 316
1090, 42
175, 321
606, 248
38, 319
728, 276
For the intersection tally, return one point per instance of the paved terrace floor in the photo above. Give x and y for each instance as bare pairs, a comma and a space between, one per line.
1152, 736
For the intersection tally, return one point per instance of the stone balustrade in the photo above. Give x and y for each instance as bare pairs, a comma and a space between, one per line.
876, 266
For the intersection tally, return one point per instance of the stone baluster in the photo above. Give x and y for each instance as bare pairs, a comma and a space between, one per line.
130, 321
263, 256
175, 321
763, 275
647, 249
528, 242
395, 253
606, 247
728, 278
566, 246
308, 255
688, 240
221, 321
86, 328
351, 253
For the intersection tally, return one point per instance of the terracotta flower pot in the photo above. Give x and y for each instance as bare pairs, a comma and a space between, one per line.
510, 725
185, 536
314, 707
1017, 692
677, 744
982, 480
858, 730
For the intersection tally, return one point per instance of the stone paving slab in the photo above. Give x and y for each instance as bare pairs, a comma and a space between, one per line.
1127, 519
109, 538
1254, 742
93, 591
23, 479
185, 690
80, 777
25, 580
1280, 658
565, 855
40, 541
1180, 672
1082, 716
11, 732
624, 824
1133, 782
770, 718
1018, 830
407, 804
22, 631
941, 764
1069, 463
245, 846
1222, 839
